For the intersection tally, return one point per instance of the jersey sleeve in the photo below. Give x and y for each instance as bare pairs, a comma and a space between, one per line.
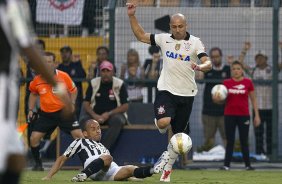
156, 39
19, 18
200, 49
73, 148
69, 83
32, 87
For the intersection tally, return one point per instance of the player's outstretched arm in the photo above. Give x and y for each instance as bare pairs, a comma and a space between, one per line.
56, 167
205, 65
137, 29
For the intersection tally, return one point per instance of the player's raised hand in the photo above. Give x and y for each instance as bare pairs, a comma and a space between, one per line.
131, 9
247, 46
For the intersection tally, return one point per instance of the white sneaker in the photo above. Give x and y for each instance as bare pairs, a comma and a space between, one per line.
165, 176
162, 161
162, 131
79, 178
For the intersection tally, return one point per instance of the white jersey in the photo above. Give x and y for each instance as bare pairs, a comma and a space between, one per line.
177, 76
263, 91
87, 150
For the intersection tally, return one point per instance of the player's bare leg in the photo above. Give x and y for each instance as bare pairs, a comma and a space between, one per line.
163, 124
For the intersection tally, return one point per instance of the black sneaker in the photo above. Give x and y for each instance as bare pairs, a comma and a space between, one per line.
224, 168
37, 167
250, 168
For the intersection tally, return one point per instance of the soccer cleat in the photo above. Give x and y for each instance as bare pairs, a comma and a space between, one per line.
250, 168
81, 177
37, 167
224, 168
165, 176
162, 131
162, 161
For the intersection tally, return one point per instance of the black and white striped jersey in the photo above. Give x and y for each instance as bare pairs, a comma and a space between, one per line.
86, 149
14, 34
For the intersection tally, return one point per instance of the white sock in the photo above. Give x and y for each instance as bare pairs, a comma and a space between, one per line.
172, 158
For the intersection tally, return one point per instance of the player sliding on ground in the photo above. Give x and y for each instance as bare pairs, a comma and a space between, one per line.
97, 161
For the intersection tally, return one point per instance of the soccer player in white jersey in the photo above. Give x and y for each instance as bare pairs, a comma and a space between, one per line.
15, 37
176, 85
97, 161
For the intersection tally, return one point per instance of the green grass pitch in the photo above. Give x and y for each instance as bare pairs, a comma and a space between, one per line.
178, 176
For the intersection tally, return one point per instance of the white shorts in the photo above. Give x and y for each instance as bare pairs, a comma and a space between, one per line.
106, 176
10, 143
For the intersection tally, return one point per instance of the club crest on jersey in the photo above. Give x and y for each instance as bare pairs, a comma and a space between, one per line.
177, 46
161, 110
187, 46
62, 4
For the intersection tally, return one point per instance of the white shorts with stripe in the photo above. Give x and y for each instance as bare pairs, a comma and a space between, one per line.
106, 176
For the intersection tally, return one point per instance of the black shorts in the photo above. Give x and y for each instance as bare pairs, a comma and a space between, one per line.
178, 108
48, 122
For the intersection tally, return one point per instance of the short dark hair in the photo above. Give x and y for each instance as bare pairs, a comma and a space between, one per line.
237, 63
51, 54
41, 42
216, 49
83, 123
66, 48
103, 48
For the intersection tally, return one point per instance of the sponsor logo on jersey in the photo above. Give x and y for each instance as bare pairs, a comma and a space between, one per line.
239, 89
177, 56
75, 124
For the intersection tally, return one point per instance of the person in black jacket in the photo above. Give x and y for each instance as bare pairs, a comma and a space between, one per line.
71, 64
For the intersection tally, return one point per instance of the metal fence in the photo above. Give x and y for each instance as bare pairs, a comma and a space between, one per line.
221, 23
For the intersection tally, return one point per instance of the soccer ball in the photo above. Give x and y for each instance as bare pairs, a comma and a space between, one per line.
181, 143
221, 90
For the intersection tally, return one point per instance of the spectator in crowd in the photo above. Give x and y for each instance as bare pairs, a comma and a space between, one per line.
131, 70
71, 64
236, 112
102, 54
212, 113
152, 67
50, 109
106, 102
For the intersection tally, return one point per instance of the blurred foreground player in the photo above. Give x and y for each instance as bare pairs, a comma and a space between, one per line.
15, 36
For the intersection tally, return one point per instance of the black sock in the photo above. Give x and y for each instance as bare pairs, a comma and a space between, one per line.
36, 154
142, 172
94, 167
10, 177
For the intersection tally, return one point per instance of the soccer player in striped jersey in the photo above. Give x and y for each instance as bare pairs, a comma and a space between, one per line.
15, 37
97, 161
176, 84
